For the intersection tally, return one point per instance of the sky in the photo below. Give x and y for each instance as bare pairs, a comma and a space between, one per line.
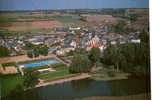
70, 4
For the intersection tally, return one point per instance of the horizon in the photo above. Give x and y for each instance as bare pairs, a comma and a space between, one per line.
22, 5
65, 9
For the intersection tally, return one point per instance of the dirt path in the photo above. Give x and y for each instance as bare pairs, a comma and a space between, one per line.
64, 80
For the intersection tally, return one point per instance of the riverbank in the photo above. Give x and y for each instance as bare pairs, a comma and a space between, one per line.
130, 97
82, 76
109, 78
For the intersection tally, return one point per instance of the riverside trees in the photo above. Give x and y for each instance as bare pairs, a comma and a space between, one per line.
80, 64
94, 55
128, 57
31, 79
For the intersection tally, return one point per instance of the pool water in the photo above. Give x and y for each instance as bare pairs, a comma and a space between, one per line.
42, 63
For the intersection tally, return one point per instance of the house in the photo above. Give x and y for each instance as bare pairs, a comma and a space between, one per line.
37, 42
74, 28
104, 42
64, 49
113, 42
102, 47
73, 43
135, 41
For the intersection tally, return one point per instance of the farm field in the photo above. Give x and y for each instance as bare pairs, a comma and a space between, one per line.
40, 22
19, 23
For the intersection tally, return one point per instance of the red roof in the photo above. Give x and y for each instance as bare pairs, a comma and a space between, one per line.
96, 45
78, 39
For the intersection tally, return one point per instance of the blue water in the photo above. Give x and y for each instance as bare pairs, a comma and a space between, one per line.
41, 63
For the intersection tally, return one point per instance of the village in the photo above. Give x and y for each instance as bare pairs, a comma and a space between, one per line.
68, 40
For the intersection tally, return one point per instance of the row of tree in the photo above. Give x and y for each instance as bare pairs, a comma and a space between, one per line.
129, 57
36, 51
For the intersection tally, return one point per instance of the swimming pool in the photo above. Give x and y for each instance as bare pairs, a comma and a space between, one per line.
42, 63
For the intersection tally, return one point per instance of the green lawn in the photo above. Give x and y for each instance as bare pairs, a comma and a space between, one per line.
9, 82
35, 68
107, 74
8, 64
61, 77
8, 18
54, 74
59, 66
102, 71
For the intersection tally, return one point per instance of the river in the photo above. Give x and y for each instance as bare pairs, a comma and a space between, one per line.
85, 88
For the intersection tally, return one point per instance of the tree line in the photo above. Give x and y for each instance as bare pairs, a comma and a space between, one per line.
35, 51
124, 57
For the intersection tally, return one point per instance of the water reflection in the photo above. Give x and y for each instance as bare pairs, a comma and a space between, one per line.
81, 85
84, 88
28, 95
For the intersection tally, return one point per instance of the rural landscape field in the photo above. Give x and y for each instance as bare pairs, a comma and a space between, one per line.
74, 54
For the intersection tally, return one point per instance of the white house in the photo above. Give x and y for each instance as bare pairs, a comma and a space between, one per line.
73, 43
74, 28
135, 41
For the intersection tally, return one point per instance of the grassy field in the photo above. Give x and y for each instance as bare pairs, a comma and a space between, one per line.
8, 83
54, 74
106, 74
8, 18
9, 64
67, 19
35, 68
102, 71
61, 73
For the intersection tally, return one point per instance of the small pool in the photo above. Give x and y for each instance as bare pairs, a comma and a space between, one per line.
42, 63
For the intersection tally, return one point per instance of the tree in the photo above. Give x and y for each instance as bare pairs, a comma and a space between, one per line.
80, 64
133, 18
31, 79
28, 46
4, 52
80, 51
128, 57
144, 36
112, 55
44, 50
30, 54
36, 52
94, 55
117, 57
